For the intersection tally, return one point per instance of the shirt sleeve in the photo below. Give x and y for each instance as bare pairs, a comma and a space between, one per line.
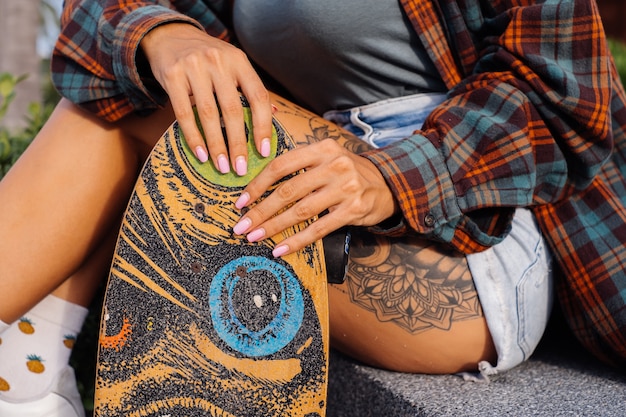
95, 60
529, 124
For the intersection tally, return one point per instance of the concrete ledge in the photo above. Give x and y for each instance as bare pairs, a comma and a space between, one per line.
560, 379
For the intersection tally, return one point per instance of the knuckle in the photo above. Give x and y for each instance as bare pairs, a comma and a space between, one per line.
286, 191
172, 72
351, 183
231, 108
205, 109
220, 57
360, 211
185, 113
258, 212
318, 229
342, 164
259, 95
213, 55
194, 60
275, 169
303, 212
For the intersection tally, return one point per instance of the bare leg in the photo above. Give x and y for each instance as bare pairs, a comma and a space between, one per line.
81, 286
61, 205
407, 305
62, 202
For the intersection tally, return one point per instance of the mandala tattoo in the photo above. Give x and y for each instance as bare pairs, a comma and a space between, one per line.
411, 282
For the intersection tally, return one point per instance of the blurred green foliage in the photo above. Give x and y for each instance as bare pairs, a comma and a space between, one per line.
618, 49
14, 142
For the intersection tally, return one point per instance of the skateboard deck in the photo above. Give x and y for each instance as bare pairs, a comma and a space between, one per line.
198, 321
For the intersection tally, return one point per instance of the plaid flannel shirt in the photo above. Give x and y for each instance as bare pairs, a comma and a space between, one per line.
535, 117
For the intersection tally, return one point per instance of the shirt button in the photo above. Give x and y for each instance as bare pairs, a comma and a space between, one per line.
429, 220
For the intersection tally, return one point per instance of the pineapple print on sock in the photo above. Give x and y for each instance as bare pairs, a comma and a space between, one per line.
34, 363
36, 349
4, 385
69, 340
26, 326
23, 327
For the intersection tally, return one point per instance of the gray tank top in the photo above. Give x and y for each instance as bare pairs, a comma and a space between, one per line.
332, 54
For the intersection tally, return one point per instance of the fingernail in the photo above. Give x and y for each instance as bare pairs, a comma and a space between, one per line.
274, 109
280, 251
201, 154
265, 148
241, 226
242, 200
222, 164
255, 235
241, 166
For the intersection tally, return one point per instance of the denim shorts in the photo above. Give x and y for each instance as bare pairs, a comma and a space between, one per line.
513, 279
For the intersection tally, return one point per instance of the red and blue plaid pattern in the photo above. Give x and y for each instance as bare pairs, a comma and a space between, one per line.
535, 117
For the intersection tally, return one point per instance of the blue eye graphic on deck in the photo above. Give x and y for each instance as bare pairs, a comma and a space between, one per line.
256, 305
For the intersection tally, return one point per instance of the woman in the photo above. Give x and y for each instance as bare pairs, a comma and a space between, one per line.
519, 139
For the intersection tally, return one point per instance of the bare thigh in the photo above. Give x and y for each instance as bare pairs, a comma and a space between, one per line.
407, 304
62, 202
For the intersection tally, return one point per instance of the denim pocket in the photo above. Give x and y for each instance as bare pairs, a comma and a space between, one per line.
534, 300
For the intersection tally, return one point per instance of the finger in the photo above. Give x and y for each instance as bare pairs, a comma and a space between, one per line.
302, 211
209, 117
293, 161
269, 217
183, 110
261, 107
307, 189
231, 109
317, 230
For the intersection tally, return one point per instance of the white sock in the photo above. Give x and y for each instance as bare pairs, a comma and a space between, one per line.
36, 348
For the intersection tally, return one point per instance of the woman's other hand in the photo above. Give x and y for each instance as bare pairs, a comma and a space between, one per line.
195, 68
349, 186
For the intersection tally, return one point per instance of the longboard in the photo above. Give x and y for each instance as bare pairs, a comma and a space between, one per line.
198, 321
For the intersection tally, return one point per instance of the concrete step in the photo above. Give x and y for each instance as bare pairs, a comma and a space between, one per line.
560, 379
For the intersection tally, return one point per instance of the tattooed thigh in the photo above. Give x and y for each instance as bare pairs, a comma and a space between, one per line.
411, 282
409, 305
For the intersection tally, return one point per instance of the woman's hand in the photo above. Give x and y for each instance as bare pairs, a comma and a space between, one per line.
349, 186
194, 67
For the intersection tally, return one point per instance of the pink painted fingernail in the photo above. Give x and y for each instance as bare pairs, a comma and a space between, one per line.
274, 109
201, 154
242, 225
222, 164
265, 148
280, 251
255, 235
241, 166
243, 199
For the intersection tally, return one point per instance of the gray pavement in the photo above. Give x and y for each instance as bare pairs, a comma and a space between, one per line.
560, 379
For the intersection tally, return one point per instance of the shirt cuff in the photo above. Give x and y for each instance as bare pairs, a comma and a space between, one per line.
416, 172
143, 93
